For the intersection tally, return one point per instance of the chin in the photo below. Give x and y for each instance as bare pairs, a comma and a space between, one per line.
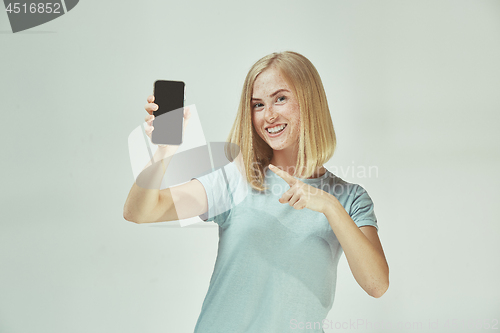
279, 147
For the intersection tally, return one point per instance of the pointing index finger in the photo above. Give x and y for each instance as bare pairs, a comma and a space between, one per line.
283, 174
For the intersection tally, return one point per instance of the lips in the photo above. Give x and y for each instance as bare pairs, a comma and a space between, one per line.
272, 135
275, 126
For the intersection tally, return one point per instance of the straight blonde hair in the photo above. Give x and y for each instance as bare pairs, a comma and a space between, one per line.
317, 140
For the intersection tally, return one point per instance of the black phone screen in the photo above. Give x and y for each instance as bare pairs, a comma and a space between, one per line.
168, 122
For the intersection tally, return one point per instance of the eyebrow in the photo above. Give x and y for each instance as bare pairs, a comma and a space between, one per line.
272, 95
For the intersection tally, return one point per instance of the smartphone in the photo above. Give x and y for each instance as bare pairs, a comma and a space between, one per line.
169, 118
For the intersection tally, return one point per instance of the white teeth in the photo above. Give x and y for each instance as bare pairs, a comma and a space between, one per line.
276, 129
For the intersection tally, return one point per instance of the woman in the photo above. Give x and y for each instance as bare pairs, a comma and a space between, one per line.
280, 239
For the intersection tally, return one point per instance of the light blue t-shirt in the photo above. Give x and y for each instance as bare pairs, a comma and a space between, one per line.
276, 267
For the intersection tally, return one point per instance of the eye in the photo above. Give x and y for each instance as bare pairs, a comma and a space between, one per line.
281, 99
257, 105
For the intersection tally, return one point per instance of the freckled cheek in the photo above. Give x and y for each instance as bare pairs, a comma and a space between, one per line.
295, 132
255, 123
257, 127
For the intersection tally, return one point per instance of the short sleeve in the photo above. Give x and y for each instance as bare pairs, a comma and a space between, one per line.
362, 209
224, 190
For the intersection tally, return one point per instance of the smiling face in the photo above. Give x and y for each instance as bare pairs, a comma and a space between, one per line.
273, 106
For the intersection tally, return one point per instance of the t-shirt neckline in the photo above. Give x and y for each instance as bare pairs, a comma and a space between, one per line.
304, 180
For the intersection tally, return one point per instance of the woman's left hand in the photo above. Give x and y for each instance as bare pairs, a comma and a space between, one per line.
302, 195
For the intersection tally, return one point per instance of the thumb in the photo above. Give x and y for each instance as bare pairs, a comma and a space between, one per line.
187, 115
187, 112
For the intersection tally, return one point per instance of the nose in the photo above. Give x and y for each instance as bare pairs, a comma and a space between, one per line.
270, 114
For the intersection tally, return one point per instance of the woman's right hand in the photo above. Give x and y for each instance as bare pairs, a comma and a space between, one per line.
152, 107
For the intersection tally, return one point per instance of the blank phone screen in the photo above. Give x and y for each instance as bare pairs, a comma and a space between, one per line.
169, 95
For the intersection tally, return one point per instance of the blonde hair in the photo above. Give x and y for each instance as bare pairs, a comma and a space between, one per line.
317, 140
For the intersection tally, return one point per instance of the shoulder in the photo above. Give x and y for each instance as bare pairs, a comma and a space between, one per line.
340, 187
348, 193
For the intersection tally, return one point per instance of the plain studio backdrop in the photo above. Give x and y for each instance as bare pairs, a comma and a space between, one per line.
413, 89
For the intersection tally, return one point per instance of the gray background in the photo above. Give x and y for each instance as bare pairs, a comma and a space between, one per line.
413, 88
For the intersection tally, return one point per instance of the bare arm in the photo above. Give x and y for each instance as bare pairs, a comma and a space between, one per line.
146, 203
144, 195
362, 249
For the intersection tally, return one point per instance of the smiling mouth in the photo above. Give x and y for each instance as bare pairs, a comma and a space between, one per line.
277, 132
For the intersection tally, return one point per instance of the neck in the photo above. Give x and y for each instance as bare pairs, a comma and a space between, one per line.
286, 161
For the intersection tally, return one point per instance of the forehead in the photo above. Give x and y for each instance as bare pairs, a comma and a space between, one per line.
269, 81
